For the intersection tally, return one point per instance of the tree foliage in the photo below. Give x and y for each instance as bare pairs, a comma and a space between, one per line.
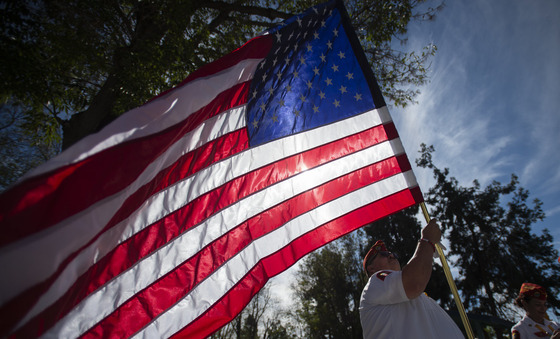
19, 150
73, 66
491, 240
328, 287
258, 320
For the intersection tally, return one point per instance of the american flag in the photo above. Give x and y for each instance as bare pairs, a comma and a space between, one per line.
169, 220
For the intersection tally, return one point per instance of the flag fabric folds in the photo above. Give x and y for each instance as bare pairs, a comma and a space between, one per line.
169, 220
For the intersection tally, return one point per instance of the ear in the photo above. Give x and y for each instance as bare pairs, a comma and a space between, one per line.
370, 269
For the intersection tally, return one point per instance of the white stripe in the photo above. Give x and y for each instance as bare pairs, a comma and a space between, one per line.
222, 280
154, 116
101, 303
39, 256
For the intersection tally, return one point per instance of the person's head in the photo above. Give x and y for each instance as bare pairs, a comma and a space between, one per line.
378, 259
532, 298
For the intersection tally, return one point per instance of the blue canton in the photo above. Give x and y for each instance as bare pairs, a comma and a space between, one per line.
310, 78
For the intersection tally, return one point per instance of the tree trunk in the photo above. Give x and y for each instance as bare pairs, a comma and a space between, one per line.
92, 119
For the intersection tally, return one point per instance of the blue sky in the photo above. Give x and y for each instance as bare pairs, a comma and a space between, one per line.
492, 107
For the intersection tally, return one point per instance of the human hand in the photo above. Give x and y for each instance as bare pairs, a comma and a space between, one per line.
555, 335
432, 232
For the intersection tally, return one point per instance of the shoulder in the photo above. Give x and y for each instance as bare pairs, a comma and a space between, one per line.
553, 324
384, 287
522, 329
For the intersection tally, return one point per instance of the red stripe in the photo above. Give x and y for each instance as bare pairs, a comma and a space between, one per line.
157, 235
233, 303
45, 200
164, 293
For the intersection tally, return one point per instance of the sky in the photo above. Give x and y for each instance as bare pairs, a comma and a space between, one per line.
492, 106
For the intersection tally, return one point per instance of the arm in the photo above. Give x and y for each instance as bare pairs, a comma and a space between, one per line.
416, 274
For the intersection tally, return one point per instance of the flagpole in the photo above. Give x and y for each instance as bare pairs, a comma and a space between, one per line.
450, 281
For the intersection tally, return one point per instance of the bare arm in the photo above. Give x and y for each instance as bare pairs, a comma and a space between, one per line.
416, 274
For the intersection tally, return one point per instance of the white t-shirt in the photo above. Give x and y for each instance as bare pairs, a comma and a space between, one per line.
386, 311
529, 329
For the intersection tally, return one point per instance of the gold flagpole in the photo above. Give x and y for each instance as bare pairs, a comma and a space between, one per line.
450, 281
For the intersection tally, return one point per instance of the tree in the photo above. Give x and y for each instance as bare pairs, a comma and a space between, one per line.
257, 321
491, 240
328, 287
19, 149
73, 66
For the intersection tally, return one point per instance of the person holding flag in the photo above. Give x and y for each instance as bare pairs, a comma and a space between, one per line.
535, 323
393, 304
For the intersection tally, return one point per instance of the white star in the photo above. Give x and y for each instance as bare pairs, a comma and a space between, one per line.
288, 88
264, 77
341, 55
275, 118
302, 98
309, 48
296, 74
328, 81
316, 71
323, 57
309, 84
262, 106
295, 47
271, 90
315, 109
358, 97
261, 65
329, 45
316, 10
322, 23
278, 36
335, 31
296, 113
279, 75
350, 76
274, 62
291, 35
302, 60
316, 35
322, 95
335, 68
281, 102
342, 89
336, 103
255, 123
254, 94
299, 21
287, 60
